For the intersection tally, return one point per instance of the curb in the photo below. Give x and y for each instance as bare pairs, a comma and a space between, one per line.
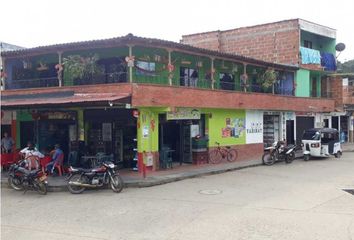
152, 182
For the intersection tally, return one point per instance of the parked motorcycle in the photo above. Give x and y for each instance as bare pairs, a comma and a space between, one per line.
21, 178
81, 178
278, 152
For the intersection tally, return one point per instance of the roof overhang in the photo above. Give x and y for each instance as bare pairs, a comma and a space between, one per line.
317, 29
61, 99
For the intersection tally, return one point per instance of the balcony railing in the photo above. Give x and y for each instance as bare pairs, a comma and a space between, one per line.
33, 83
162, 79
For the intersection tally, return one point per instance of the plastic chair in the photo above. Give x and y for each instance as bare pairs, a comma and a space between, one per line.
59, 164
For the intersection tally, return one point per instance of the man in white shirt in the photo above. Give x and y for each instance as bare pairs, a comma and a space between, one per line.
31, 156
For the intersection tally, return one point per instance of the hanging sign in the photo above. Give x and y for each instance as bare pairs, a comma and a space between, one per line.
183, 114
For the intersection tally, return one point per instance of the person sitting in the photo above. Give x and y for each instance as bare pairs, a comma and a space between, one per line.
31, 156
57, 154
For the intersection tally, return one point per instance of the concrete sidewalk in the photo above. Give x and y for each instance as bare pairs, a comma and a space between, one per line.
134, 179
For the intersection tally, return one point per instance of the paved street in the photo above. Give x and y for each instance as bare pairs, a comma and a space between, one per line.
303, 200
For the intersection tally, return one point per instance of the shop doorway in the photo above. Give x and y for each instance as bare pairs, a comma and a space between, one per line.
344, 128
302, 124
53, 132
177, 135
290, 138
112, 132
335, 122
270, 129
27, 133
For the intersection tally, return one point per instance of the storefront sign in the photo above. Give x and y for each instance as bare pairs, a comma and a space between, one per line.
57, 115
107, 132
254, 127
183, 114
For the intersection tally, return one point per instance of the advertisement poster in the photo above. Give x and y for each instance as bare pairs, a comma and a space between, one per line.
235, 127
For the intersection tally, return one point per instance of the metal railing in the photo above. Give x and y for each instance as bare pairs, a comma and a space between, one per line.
161, 79
33, 83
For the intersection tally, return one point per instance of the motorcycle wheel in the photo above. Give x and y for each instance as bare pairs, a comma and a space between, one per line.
306, 157
338, 154
290, 157
117, 183
77, 178
268, 159
40, 187
15, 183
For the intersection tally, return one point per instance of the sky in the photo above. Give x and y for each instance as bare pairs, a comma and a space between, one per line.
31, 23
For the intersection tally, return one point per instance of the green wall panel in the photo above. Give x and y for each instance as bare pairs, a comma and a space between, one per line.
226, 127
302, 83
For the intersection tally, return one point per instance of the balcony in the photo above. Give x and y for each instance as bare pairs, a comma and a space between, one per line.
153, 95
315, 60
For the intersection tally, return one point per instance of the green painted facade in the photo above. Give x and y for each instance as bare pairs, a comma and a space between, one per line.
302, 83
320, 43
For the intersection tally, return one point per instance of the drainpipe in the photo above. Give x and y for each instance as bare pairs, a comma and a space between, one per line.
212, 73
60, 76
130, 66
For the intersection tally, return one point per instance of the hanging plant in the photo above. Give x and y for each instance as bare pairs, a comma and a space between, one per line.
269, 78
82, 67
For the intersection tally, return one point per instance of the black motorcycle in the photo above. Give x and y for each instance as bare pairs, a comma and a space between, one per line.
81, 178
21, 179
279, 152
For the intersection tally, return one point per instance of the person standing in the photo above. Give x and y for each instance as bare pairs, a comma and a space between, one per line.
7, 143
58, 153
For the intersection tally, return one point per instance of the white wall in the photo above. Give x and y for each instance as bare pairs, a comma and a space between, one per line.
254, 126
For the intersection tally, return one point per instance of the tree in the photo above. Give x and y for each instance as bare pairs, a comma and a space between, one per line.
346, 67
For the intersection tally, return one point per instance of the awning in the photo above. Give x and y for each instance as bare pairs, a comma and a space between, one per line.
67, 98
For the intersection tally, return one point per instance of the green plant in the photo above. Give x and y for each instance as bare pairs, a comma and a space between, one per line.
79, 67
269, 77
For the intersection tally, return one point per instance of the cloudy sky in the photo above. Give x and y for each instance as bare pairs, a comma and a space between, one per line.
31, 23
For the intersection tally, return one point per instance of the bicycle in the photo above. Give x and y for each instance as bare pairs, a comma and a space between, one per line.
220, 153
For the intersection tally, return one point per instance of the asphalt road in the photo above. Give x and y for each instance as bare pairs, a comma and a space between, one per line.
302, 200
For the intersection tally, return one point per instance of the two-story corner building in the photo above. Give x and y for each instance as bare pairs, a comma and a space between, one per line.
297, 42
127, 94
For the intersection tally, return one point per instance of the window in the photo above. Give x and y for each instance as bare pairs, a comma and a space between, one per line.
307, 44
145, 68
188, 77
227, 81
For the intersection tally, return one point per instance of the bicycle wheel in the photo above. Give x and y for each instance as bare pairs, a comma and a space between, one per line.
231, 155
215, 156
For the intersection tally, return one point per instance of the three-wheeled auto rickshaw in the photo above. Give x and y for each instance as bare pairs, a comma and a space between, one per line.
321, 142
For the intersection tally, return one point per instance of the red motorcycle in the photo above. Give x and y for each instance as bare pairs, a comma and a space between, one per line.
81, 178
21, 178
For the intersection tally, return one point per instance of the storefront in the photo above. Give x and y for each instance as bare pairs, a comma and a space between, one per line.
177, 130
112, 132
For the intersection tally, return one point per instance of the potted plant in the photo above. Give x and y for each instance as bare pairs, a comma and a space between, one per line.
269, 78
79, 67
